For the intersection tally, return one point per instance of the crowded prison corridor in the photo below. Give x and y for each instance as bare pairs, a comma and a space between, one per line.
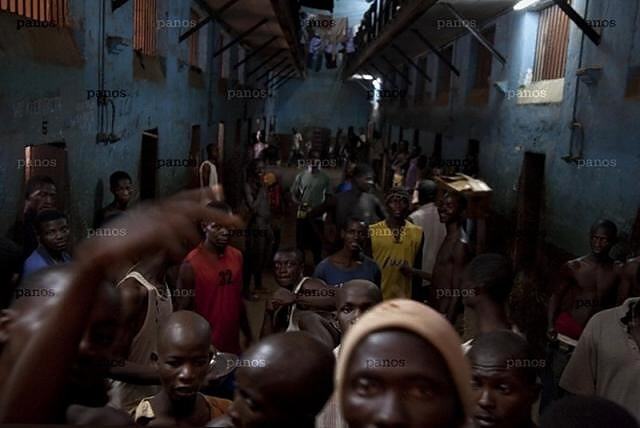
320, 213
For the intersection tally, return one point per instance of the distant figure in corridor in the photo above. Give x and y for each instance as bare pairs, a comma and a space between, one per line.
310, 189
121, 187
208, 170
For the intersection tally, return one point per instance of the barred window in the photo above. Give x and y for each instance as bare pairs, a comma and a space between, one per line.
144, 26
552, 45
38, 10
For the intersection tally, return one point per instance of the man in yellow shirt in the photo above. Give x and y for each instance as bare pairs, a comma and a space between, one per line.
395, 242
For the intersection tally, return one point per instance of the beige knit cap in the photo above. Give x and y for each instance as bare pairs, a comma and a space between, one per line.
418, 319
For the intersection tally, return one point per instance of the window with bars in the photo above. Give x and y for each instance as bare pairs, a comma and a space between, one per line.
194, 42
553, 40
484, 60
144, 27
54, 11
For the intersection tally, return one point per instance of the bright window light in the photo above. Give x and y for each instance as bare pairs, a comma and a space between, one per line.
523, 4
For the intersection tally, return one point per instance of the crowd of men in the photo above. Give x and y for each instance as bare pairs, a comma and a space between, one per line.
146, 321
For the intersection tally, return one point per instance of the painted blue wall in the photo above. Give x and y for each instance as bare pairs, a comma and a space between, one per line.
33, 89
574, 197
323, 100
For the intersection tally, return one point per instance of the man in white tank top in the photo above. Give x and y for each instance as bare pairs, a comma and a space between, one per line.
208, 171
147, 304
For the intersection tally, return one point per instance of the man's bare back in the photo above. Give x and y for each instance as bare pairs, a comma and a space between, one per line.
450, 261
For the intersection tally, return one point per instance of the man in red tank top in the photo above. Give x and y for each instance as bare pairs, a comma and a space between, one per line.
210, 283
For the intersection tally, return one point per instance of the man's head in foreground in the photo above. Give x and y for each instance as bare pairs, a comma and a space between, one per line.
504, 380
286, 383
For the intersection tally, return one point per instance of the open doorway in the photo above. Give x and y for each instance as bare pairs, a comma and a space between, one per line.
529, 211
148, 162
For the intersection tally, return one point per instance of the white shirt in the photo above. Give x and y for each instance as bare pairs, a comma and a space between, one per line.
434, 233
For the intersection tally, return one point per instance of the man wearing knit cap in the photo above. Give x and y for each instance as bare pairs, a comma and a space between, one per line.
401, 365
396, 243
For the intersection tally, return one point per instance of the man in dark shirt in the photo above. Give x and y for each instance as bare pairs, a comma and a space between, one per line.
53, 234
122, 189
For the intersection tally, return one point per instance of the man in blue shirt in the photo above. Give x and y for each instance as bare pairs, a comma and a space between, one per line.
52, 229
349, 262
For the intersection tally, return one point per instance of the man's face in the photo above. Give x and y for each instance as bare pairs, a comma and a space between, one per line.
287, 269
601, 242
44, 198
314, 160
54, 234
396, 379
398, 207
503, 397
364, 182
217, 235
354, 236
182, 366
352, 303
123, 191
449, 210
252, 406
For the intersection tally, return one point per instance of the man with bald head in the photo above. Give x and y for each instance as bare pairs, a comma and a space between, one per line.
182, 361
504, 380
272, 390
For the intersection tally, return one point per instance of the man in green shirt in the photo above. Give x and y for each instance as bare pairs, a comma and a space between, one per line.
310, 189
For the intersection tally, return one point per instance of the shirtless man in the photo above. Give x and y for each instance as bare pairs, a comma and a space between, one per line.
182, 361
297, 295
275, 392
586, 285
452, 257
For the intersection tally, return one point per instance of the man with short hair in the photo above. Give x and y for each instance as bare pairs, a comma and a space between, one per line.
585, 286
352, 301
211, 281
453, 255
296, 297
121, 187
605, 362
396, 242
182, 361
349, 262
310, 189
486, 284
273, 392
41, 195
428, 219
504, 380
53, 235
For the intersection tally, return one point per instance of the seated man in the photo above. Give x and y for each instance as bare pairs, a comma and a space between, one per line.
349, 262
274, 392
296, 297
122, 190
401, 365
182, 361
53, 235
504, 380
